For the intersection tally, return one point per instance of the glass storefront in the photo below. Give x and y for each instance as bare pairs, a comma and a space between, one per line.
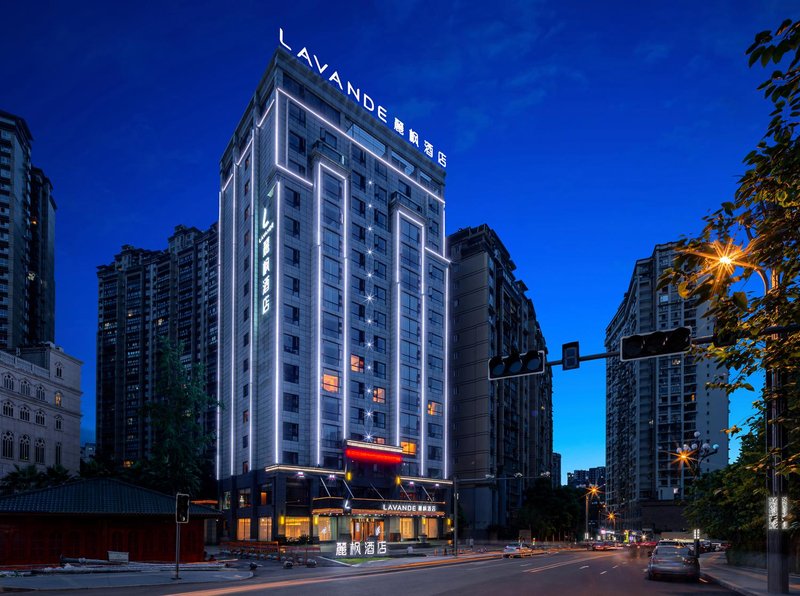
296, 527
265, 528
407, 528
243, 528
326, 528
430, 527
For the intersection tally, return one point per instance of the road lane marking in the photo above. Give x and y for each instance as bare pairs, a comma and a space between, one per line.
615, 566
526, 565
602, 572
584, 567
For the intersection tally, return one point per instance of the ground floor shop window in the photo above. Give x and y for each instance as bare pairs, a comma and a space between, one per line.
406, 528
265, 528
297, 527
243, 529
326, 528
430, 527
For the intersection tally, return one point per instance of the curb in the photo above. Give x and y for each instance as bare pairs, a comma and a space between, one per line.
727, 585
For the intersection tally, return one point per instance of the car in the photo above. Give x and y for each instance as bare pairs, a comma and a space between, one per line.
603, 545
519, 549
676, 561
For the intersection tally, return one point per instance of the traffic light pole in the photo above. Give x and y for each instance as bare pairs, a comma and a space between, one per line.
177, 551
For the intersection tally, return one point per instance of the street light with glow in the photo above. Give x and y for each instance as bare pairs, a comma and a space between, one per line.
721, 263
593, 492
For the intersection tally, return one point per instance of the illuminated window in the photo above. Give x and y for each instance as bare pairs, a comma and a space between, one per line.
379, 395
243, 529
409, 447
379, 440
244, 497
226, 500
356, 363
265, 528
58, 398
245, 416
406, 528
330, 381
297, 527
435, 408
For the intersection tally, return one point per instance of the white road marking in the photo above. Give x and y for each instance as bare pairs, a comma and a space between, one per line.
584, 567
615, 566
526, 565
602, 572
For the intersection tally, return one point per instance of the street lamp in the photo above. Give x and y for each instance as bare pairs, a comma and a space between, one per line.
692, 456
593, 491
722, 264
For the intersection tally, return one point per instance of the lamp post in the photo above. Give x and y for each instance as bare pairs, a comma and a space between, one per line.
723, 263
593, 491
692, 456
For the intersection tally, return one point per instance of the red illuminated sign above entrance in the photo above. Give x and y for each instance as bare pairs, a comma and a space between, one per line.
373, 456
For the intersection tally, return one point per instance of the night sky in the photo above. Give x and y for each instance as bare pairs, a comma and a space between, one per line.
583, 132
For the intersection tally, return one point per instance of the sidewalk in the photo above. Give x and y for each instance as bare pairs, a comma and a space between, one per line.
742, 580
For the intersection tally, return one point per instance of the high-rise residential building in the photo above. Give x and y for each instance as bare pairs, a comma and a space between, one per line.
655, 405
333, 316
597, 477
578, 478
41, 401
27, 236
502, 430
555, 472
145, 295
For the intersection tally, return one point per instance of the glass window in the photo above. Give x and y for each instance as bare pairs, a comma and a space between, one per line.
243, 528
330, 380
291, 402
356, 363
379, 395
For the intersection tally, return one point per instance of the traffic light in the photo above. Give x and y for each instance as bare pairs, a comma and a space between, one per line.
182, 508
658, 343
570, 356
517, 365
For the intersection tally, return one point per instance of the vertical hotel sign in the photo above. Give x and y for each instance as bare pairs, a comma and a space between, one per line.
265, 251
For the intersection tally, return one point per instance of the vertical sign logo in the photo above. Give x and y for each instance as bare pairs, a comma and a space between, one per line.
265, 242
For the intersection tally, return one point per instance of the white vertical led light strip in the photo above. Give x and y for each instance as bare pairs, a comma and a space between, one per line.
318, 378
346, 299
424, 367
278, 307
446, 365
397, 325
219, 333
234, 217
253, 293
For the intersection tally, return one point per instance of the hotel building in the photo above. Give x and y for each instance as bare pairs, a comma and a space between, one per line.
333, 318
655, 405
145, 295
503, 430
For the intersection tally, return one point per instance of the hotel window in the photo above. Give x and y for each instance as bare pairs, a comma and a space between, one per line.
431, 525
59, 370
359, 233
58, 454
59, 423
246, 339
296, 167
291, 314
245, 416
291, 402
380, 245
264, 528
328, 138
379, 270
25, 387
435, 363
8, 408
8, 445
226, 500
297, 114
325, 528
292, 256
245, 442
379, 395
291, 431
358, 206
39, 417
409, 423
330, 436
245, 391
244, 497
434, 452
358, 258
8, 382
357, 389
25, 414
379, 369
291, 285
331, 298
243, 528
356, 363
331, 326
265, 494
380, 195
358, 311
358, 337
380, 320
409, 447
25, 448
38, 451
435, 431
291, 344
359, 155
292, 226
40, 392
381, 220
380, 168
292, 197
290, 458
379, 344
291, 373
297, 143
435, 408
358, 181
330, 380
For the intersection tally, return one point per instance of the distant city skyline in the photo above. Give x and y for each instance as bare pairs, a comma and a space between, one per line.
583, 134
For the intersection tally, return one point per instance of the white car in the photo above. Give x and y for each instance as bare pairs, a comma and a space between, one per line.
517, 550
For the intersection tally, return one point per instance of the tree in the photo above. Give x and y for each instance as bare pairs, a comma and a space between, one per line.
756, 234
30, 478
176, 459
550, 512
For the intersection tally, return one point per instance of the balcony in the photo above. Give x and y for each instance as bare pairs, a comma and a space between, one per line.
400, 198
322, 148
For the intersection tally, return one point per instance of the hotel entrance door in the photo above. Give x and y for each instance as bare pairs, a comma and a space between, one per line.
365, 528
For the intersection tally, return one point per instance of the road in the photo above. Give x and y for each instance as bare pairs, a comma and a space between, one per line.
578, 573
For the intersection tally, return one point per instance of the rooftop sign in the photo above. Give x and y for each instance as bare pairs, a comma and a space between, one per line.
324, 70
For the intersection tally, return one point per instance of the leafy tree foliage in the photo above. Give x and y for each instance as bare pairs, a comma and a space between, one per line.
30, 478
551, 513
757, 234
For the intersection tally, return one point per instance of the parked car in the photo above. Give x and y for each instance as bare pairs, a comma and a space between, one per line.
673, 561
603, 545
517, 550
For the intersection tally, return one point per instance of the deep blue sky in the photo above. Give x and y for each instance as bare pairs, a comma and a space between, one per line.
583, 132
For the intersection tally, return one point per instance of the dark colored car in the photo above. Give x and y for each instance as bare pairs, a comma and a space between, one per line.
673, 561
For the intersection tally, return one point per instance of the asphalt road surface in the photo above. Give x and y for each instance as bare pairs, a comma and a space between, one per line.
576, 573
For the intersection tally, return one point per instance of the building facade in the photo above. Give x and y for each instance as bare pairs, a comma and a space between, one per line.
503, 430
27, 236
555, 473
655, 405
333, 319
145, 295
41, 409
